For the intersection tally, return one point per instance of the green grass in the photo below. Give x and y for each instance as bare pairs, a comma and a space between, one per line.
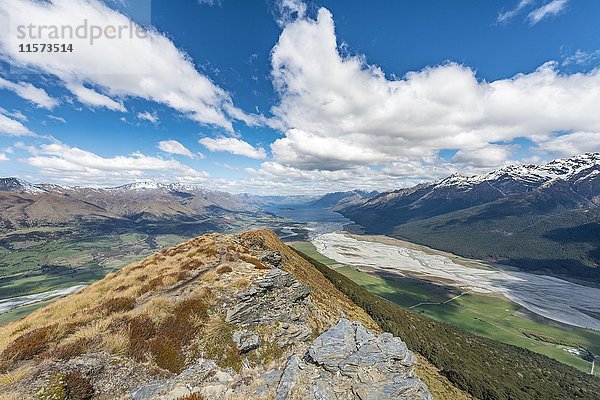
310, 250
487, 316
20, 312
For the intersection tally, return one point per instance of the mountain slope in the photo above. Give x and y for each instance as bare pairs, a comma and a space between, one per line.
24, 204
343, 199
526, 216
227, 316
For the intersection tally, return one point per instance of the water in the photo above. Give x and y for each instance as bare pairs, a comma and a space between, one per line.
318, 220
14, 302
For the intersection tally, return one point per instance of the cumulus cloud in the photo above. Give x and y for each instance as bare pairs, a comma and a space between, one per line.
554, 7
572, 143
233, 146
340, 112
149, 67
11, 127
3, 157
31, 93
492, 156
148, 116
174, 147
72, 165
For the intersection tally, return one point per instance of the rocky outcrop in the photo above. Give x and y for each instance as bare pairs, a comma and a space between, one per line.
277, 297
350, 362
346, 362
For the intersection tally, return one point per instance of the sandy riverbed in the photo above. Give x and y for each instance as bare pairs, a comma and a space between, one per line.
547, 296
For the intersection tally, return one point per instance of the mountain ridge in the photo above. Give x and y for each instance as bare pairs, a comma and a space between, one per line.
518, 215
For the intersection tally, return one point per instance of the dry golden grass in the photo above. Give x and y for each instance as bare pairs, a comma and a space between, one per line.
15, 376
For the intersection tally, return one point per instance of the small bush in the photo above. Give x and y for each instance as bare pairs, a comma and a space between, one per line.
152, 285
30, 344
168, 354
77, 386
191, 264
192, 396
141, 329
223, 269
53, 389
71, 349
117, 304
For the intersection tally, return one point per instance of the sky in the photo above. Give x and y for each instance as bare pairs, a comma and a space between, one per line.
290, 97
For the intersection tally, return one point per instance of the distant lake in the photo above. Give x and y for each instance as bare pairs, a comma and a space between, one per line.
318, 220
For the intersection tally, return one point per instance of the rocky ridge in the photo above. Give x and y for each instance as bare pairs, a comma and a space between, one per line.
222, 316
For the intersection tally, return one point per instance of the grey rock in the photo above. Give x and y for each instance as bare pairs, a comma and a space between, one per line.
350, 362
272, 257
246, 340
289, 379
271, 299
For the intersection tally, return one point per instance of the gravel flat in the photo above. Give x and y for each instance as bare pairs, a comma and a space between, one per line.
547, 296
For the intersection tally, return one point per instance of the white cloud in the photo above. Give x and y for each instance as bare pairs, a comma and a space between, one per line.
581, 57
506, 15
15, 114
174, 147
3, 157
572, 143
211, 2
94, 99
11, 127
150, 68
234, 146
56, 118
29, 92
492, 156
340, 112
148, 116
72, 165
552, 8
289, 11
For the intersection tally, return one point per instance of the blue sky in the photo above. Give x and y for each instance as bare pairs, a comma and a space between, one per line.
285, 96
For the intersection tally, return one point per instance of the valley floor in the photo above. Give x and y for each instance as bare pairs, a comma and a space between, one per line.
489, 315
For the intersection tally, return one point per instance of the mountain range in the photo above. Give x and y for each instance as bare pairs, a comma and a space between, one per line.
538, 217
24, 204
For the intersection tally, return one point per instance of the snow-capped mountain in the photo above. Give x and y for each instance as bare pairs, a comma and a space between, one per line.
543, 218
23, 203
19, 186
580, 174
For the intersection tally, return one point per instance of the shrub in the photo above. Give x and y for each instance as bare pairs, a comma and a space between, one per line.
141, 329
53, 389
223, 269
192, 396
77, 386
168, 354
191, 264
117, 304
29, 345
71, 349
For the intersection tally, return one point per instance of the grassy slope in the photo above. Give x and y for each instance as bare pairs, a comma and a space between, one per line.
485, 368
487, 316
